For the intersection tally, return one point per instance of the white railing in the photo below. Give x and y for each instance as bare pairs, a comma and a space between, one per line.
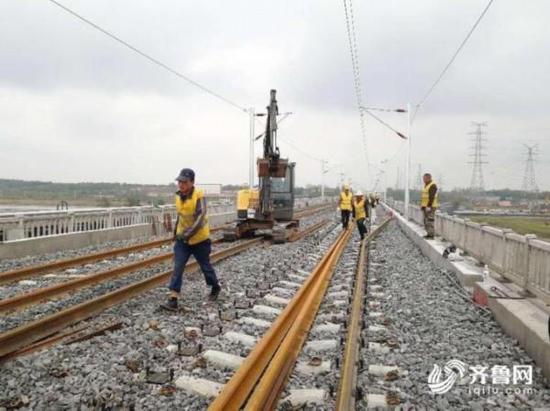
17, 226
39, 224
523, 259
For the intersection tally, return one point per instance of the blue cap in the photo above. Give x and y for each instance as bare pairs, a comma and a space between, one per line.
186, 174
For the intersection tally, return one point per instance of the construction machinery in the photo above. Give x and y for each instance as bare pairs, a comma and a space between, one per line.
269, 209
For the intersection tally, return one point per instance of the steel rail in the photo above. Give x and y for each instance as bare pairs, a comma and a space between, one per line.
35, 270
29, 333
20, 337
345, 398
237, 390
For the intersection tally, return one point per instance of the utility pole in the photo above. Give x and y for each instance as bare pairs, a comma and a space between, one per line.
252, 116
477, 184
324, 170
529, 181
408, 165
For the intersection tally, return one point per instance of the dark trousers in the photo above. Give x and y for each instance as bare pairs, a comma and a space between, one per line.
201, 252
362, 227
429, 220
345, 218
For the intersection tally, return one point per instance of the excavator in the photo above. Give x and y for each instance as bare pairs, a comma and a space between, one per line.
268, 210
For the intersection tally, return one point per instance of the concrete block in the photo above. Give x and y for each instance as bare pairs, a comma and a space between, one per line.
321, 345
270, 312
329, 328
244, 339
305, 368
276, 300
289, 284
199, 386
256, 322
307, 397
528, 324
223, 360
381, 370
377, 401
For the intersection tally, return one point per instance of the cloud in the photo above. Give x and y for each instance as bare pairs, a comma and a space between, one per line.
75, 105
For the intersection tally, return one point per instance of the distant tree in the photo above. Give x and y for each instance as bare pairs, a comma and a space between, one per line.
104, 202
132, 200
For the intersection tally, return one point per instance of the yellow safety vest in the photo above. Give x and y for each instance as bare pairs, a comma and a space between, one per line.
359, 209
186, 217
426, 196
345, 201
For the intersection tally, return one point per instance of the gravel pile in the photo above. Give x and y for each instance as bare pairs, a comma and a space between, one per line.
113, 370
426, 314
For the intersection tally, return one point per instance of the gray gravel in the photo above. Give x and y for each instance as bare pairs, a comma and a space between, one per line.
97, 373
427, 315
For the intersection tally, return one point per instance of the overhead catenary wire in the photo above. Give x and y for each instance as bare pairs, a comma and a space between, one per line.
354, 54
149, 57
453, 58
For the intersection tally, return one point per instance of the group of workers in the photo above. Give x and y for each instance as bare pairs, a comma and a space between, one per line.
359, 207
192, 232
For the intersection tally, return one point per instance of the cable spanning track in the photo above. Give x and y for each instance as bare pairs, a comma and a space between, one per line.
149, 57
451, 61
352, 39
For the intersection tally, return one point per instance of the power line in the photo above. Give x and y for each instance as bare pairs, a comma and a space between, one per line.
148, 57
436, 82
354, 54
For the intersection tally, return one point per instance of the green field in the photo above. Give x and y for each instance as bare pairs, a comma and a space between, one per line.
522, 225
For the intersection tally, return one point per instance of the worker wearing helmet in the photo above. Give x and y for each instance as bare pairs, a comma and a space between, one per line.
360, 213
345, 205
192, 237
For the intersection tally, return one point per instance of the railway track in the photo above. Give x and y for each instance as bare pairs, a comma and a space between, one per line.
20, 338
41, 269
261, 378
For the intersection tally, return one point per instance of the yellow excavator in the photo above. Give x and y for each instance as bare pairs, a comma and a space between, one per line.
268, 210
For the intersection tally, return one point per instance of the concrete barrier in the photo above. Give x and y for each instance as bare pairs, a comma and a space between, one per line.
524, 318
522, 259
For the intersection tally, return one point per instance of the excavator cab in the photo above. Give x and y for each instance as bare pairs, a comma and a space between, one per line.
282, 193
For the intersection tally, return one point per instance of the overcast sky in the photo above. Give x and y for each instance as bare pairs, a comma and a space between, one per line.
77, 106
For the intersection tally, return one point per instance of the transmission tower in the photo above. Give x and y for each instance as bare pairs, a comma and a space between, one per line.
477, 184
529, 181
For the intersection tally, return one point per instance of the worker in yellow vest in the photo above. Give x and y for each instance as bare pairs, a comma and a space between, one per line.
192, 237
360, 213
345, 205
429, 203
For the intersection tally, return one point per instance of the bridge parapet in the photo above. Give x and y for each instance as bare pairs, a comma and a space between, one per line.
522, 259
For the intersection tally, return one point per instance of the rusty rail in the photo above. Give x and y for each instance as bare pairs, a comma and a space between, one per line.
15, 339
264, 372
345, 399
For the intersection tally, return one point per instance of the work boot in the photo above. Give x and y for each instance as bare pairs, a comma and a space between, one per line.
171, 305
215, 292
